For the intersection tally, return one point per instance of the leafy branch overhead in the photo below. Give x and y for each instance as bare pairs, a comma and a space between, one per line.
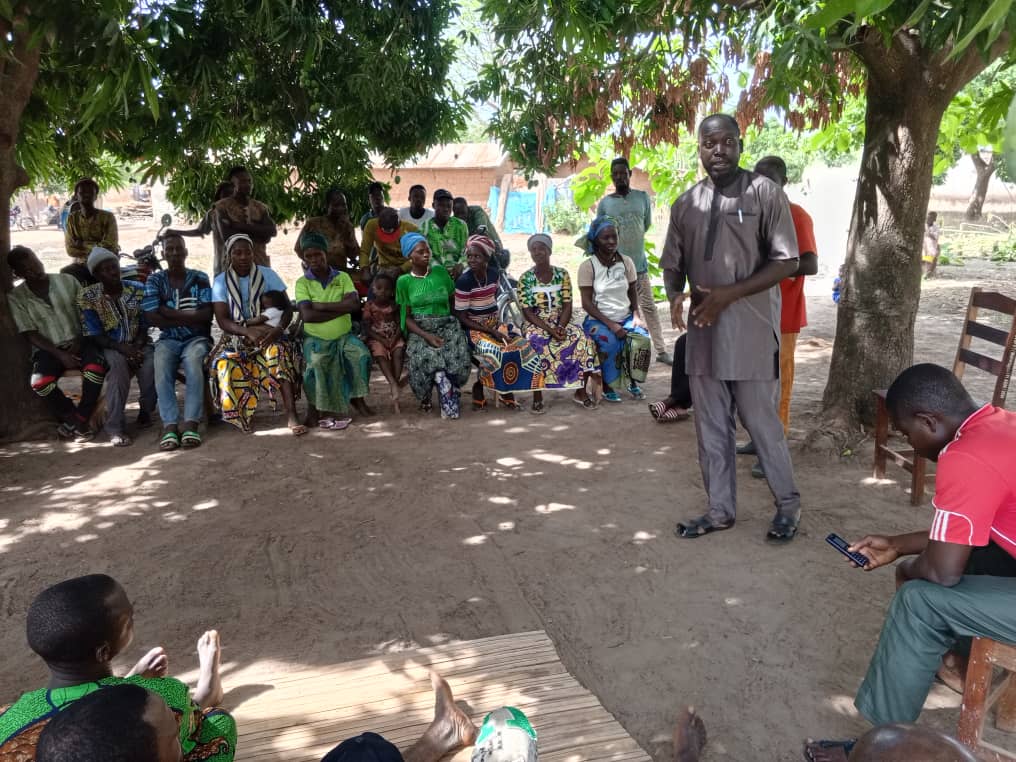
645, 71
304, 91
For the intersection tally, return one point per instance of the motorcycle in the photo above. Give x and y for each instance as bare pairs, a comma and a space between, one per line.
146, 260
52, 215
21, 221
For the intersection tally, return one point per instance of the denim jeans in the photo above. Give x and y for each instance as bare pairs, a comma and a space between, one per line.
169, 355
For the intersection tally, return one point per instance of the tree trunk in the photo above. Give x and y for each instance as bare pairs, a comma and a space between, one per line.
20, 407
908, 92
985, 169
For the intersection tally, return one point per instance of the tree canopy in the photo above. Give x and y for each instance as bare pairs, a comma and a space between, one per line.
645, 72
301, 91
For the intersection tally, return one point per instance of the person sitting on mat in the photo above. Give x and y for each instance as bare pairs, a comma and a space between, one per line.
960, 581
78, 627
449, 731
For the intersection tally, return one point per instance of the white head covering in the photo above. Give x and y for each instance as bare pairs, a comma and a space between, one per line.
98, 256
232, 240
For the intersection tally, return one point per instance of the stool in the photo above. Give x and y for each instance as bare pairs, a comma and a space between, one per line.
985, 655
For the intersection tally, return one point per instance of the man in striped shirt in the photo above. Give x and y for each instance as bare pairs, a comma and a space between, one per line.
959, 580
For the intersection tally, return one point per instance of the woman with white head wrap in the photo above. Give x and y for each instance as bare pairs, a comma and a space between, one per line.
252, 356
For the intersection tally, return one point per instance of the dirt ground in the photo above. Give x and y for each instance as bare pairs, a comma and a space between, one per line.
406, 531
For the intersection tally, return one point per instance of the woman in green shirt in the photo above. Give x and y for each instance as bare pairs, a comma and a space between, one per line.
436, 351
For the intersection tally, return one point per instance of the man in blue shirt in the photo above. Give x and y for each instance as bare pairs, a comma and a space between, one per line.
633, 213
178, 301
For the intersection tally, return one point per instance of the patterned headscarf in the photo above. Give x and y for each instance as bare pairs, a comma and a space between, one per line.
543, 238
597, 226
483, 243
409, 241
313, 240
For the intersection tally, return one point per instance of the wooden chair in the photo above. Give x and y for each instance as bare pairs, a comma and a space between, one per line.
978, 697
1000, 368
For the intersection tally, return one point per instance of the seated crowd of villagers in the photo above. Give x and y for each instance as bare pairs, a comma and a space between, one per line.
954, 582
417, 295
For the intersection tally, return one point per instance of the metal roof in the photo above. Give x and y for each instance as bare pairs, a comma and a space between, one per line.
455, 156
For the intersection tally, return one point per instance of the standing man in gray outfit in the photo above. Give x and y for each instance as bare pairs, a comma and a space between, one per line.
732, 237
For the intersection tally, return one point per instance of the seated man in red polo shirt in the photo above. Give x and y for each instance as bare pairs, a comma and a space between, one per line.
958, 581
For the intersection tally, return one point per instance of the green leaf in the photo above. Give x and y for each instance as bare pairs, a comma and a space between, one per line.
917, 15
997, 10
865, 8
833, 12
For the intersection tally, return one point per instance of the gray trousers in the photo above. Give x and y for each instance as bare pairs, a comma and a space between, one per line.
647, 306
924, 621
118, 385
755, 401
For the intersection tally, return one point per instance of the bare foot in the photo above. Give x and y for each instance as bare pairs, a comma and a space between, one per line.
689, 736
450, 730
155, 663
208, 691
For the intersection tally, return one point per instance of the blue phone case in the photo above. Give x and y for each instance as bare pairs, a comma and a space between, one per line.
841, 545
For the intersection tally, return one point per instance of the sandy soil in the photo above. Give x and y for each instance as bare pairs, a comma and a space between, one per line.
406, 530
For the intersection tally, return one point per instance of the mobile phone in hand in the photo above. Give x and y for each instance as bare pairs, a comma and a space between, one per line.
842, 546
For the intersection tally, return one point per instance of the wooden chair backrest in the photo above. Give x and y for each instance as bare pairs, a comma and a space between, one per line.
1002, 367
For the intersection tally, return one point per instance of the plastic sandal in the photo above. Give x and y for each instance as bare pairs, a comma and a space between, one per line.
170, 441
190, 440
121, 440
636, 392
612, 396
537, 408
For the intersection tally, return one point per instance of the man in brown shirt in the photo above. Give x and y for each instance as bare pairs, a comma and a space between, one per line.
732, 237
240, 213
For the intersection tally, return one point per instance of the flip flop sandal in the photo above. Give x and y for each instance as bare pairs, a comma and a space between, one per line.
65, 431
673, 414
782, 529
586, 403
298, 430
170, 441
656, 409
636, 392
699, 528
611, 396
537, 408
190, 440
338, 424
121, 440
426, 407
326, 423
479, 405
847, 746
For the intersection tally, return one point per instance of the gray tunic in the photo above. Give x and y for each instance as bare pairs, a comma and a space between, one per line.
718, 237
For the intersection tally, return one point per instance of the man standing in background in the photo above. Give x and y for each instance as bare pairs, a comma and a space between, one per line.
633, 212
793, 316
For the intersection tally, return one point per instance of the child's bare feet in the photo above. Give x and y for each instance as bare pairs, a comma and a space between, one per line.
155, 663
208, 691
